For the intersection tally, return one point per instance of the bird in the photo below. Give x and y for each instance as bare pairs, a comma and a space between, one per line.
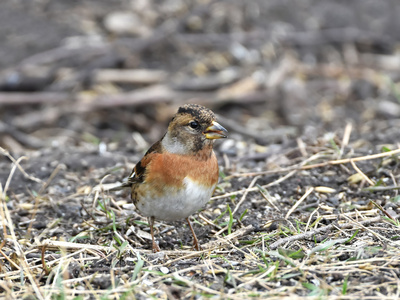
179, 173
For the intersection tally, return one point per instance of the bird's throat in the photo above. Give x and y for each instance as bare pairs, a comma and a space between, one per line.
200, 149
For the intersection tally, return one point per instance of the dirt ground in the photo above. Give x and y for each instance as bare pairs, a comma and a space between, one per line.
307, 203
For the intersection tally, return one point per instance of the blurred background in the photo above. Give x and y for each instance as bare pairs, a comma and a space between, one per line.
86, 86
112, 73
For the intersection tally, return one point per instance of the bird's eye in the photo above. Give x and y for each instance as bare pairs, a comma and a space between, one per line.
194, 124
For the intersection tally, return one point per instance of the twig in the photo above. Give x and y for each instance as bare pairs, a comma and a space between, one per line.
374, 233
302, 147
346, 137
308, 192
45, 267
267, 197
383, 210
139, 76
310, 218
10, 260
6, 153
245, 194
4, 192
209, 222
382, 188
152, 94
20, 136
366, 178
52, 175
311, 233
64, 52
348, 160
67, 245
33, 98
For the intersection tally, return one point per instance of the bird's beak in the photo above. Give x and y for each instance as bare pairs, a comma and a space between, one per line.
215, 131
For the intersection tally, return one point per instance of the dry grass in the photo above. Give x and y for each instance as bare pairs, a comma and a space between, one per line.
323, 222
346, 255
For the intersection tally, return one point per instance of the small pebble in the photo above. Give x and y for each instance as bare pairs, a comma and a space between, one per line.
164, 270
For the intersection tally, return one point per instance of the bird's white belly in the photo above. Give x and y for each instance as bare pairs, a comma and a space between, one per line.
176, 204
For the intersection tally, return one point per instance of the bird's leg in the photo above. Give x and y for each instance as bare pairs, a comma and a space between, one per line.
151, 223
196, 244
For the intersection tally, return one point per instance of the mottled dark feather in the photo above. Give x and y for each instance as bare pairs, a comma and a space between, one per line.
199, 112
138, 172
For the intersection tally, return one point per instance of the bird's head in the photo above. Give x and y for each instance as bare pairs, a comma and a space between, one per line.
193, 128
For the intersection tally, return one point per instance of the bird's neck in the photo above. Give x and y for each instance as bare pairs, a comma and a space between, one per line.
200, 150
173, 145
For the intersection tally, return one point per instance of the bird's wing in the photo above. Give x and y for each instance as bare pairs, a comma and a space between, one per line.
138, 172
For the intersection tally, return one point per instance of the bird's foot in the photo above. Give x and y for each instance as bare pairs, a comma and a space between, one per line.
155, 247
196, 245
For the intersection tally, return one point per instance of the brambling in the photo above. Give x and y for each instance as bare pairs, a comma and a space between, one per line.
178, 174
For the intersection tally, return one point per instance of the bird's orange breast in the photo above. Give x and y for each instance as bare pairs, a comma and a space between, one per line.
171, 169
